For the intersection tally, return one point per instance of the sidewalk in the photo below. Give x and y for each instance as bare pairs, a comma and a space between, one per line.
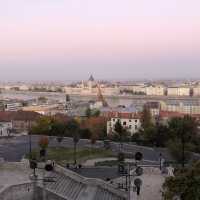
151, 187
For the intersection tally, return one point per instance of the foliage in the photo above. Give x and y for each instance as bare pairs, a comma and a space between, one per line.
43, 142
96, 127
58, 129
185, 184
43, 126
175, 147
120, 132
92, 112
146, 119
182, 132
88, 112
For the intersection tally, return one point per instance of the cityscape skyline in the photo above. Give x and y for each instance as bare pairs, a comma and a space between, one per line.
68, 40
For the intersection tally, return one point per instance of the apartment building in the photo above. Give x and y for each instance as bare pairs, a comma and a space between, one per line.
178, 91
196, 91
128, 117
185, 107
155, 90
12, 106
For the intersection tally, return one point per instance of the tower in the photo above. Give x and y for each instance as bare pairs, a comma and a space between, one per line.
91, 83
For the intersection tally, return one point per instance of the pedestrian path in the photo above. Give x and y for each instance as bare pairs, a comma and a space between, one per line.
151, 188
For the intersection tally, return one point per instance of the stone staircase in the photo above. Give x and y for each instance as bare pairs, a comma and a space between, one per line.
72, 186
104, 194
65, 186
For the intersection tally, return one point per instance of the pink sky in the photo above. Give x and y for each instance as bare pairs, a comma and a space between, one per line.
117, 31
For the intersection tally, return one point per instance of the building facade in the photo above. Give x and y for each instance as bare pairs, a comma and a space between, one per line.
178, 91
155, 91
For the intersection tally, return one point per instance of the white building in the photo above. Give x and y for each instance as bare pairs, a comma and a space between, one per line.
155, 90
12, 106
5, 128
190, 108
132, 125
129, 119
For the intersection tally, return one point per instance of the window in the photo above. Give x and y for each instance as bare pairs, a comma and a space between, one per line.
124, 123
113, 120
130, 126
130, 120
136, 127
136, 121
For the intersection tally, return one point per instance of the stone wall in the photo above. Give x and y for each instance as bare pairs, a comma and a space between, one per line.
17, 192
25, 191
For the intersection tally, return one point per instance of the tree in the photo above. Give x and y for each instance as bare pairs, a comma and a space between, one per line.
58, 129
156, 135
183, 131
120, 131
95, 113
43, 142
88, 112
73, 128
185, 184
94, 125
146, 119
43, 126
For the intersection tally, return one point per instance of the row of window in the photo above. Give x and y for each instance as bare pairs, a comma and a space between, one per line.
125, 122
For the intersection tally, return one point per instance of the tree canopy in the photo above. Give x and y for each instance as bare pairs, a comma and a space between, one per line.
185, 184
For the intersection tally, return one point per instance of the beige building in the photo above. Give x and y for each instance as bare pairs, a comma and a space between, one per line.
178, 91
190, 108
196, 91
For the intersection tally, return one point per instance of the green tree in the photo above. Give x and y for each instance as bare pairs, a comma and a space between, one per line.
120, 131
73, 129
183, 131
88, 112
146, 118
58, 129
95, 113
185, 184
43, 126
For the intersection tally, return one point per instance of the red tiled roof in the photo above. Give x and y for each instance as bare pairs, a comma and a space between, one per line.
167, 114
125, 115
18, 116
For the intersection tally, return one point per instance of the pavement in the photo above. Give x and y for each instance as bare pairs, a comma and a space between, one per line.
151, 189
13, 173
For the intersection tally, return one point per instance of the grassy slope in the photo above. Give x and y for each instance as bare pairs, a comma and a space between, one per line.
66, 155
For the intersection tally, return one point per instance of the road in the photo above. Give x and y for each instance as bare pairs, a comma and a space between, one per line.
13, 149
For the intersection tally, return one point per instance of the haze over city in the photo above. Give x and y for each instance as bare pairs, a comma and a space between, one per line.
115, 39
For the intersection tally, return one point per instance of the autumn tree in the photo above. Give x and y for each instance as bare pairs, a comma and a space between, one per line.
43, 126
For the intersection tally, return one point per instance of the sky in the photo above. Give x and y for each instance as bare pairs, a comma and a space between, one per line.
111, 39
